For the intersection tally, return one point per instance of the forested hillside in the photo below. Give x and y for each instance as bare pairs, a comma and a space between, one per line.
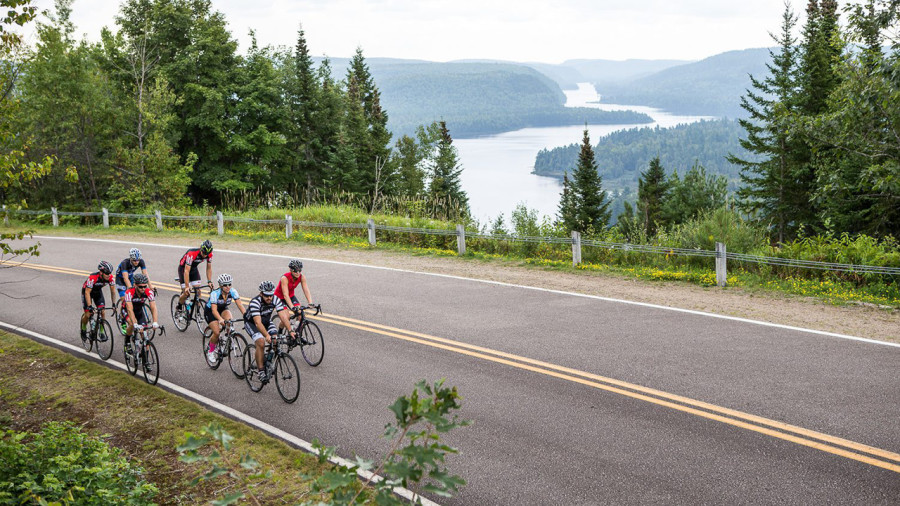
622, 155
475, 98
710, 87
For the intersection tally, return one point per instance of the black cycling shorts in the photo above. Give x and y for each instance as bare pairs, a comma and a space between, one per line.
141, 313
97, 298
194, 275
208, 314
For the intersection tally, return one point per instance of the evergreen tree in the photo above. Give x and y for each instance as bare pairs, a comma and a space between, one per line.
697, 192
445, 187
592, 212
328, 133
652, 189
566, 214
372, 135
302, 96
770, 191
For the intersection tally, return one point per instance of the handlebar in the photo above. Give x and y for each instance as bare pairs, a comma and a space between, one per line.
317, 307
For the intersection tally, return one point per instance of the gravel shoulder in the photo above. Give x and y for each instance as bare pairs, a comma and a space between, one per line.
855, 320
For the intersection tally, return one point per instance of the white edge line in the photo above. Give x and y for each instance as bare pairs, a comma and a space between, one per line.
235, 414
500, 283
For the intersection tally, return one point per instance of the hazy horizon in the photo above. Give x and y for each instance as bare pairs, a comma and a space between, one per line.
521, 31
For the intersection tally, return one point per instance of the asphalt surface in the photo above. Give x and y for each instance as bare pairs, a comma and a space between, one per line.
562, 431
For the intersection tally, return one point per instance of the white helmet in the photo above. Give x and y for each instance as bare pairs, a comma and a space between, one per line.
224, 279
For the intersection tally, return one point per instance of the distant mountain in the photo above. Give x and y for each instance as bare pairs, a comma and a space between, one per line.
710, 87
610, 71
475, 98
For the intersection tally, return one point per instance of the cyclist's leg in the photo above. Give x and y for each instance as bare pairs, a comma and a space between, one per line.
214, 327
259, 342
86, 313
121, 289
99, 302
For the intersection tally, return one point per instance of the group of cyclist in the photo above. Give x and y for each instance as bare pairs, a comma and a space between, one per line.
133, 286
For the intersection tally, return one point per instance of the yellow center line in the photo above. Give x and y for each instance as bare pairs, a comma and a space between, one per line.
773, 428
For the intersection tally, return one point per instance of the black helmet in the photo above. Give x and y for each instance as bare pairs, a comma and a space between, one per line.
206, 248
105, 267
267, 288
295, 265
140, 279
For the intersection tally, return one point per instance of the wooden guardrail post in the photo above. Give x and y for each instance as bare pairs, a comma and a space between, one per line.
461, 239
55, 216
158, 220
220, 223
288, 226
576, 248
105, 218
371, 226
721, 267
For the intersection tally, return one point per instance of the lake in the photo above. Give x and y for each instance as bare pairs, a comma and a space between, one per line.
497, 168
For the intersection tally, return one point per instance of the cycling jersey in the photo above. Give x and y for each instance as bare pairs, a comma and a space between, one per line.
193, 257
221, 300
292, 284
96, 282
137, 303
259, 308
127, 268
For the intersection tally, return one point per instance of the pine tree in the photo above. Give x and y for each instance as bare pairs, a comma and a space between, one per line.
592, 212
565, 215
374, 141
445, 187
652, 190
770, 191
302, 94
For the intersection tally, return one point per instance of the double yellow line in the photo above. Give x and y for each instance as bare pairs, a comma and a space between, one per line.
805, 437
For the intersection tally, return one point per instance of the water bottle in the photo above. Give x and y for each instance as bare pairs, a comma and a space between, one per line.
93, 324
188, 307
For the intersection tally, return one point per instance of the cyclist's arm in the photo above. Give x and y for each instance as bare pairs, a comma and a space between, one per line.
209, 271
257, 320
306, 290
153, 312
187, 277
130, 308
113, 294
87, 296
240, 305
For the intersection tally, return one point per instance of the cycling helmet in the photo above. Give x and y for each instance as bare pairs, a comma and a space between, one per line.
140, 279
134, 254
267, 288
224, 279
105, 267
295, 265
206, 248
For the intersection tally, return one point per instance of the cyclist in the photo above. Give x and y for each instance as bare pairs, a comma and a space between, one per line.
92, 293
189, 275
284, 292
258, 322
217, 311
127, 268
136, 297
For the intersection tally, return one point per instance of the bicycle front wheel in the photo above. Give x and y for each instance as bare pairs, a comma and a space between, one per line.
199, 318
250, 369
236, 354
86, 342
104, 339
206, 337
131, 359
150, 363
287, 378
314, 349
117, 313
148, 317
179, 316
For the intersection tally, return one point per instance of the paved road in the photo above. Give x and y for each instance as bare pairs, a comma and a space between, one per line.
575, 400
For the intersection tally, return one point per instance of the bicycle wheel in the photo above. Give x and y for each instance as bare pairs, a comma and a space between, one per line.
206, 337
314, 349
104, 339
148, 317
121, 326
287, 377
179, 317
86, 342
151, 363
236, 354
250, 374
199, 318
131, 360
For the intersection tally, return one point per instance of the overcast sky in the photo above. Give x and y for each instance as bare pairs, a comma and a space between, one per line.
517, 30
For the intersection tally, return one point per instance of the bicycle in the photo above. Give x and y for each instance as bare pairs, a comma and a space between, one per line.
309, 337
192, 310
98, 334
120, 321
232, 343
277, 364
141, 352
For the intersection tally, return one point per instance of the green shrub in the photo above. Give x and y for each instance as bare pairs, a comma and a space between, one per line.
64, 465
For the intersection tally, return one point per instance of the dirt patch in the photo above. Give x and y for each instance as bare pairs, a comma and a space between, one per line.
857, 320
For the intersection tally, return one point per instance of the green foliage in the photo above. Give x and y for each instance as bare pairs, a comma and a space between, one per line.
444, 179
63, 465
212, 448
416, 459
712, 226
590, 203
652, 190
696, 193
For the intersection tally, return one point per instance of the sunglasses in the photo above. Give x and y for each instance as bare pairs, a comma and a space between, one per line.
225, 284
142, 287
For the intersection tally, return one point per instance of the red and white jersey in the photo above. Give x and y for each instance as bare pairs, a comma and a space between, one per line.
97, 281
193, 257
291, 283
138, 300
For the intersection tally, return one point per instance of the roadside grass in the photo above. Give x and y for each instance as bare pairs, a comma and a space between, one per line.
39, 384
548, 257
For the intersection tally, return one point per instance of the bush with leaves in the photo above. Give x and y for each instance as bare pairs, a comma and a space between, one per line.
63, 465
416, 459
